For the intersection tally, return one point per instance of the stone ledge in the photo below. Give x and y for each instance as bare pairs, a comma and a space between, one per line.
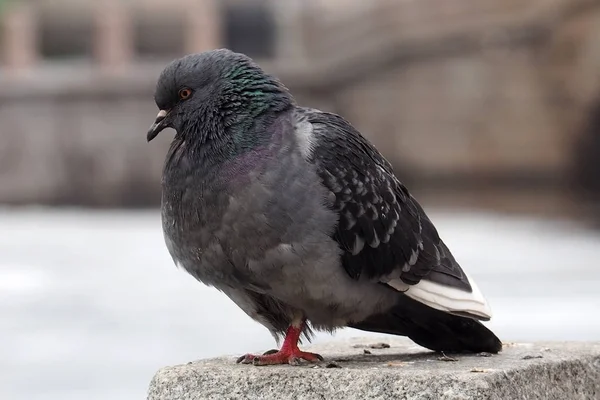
545, 370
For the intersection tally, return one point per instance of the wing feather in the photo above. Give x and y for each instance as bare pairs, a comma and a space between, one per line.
383, 231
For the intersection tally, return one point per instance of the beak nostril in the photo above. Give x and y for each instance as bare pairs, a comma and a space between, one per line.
157, 125
161, 115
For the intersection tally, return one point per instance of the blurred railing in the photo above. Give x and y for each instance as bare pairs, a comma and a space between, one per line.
82, 118
317, 46
375, 31
411, 20
112, 28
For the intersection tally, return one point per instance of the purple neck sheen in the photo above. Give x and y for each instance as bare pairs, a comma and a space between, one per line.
240, 169
249, 164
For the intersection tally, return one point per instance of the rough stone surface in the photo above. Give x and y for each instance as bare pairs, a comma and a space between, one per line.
554, 370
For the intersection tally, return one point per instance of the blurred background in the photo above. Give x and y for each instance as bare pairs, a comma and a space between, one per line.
489, 111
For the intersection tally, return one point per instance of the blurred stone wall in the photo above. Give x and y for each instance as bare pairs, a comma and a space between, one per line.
450, 93
81, 142
79, 147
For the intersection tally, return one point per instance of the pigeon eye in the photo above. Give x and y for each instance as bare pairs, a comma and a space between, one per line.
185, 93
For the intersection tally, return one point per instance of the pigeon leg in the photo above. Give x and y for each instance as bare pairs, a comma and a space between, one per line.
288, 354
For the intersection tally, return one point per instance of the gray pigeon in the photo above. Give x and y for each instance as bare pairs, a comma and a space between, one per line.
298, 219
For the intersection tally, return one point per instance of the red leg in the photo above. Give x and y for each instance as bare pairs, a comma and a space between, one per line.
288, 354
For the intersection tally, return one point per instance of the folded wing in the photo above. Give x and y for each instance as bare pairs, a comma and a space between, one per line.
383, 231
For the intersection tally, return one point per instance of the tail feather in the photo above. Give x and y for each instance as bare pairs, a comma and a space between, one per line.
433, 329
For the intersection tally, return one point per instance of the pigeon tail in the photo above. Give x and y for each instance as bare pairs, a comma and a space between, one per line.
433, 329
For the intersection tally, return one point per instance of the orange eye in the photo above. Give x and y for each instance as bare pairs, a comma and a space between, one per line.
185, 93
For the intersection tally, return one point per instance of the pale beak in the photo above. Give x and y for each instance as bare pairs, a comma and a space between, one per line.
158, 125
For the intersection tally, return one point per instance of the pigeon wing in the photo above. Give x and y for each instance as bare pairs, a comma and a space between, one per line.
383, 231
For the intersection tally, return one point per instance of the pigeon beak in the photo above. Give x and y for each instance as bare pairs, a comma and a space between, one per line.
158, 125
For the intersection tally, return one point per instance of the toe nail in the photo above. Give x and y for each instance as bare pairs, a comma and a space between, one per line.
320, 357
294, 361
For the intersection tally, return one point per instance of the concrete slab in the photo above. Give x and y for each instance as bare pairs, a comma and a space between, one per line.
360, 369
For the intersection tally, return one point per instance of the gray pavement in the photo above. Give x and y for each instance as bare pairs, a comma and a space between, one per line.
91, 305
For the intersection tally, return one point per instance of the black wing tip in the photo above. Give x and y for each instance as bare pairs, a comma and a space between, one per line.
472, 316
433, 329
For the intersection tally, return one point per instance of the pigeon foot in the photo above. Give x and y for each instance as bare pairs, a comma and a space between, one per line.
296, 357
288, 354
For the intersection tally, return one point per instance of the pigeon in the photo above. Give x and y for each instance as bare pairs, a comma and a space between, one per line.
298, 219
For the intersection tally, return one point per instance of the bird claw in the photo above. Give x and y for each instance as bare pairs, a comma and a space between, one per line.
276, 357
245, 359
249, 358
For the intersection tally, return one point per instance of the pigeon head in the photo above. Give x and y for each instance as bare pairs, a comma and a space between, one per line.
215, 94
